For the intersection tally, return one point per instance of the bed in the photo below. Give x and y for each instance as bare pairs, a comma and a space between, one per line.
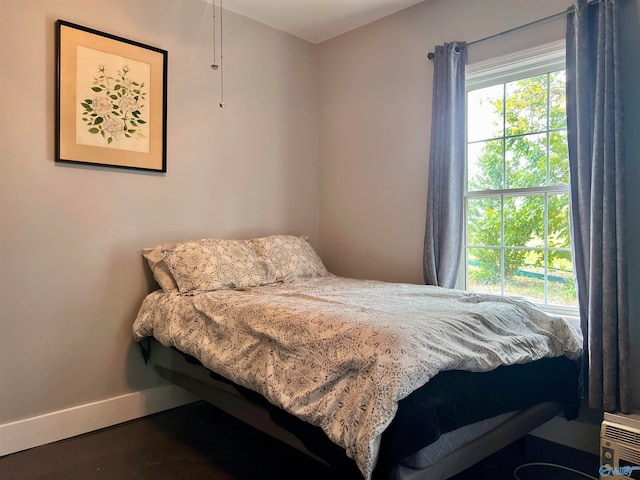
380, 380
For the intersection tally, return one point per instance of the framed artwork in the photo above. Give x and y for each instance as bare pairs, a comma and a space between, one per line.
111, 100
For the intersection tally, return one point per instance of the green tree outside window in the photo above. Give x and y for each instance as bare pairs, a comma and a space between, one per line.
518, 237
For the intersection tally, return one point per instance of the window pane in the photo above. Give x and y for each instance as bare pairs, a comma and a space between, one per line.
484, 270
517, 201
562, 286
526, 105
559, 232
485, 118
526, 161
524, 274
557, 100
484, 221
524, 221
484, 165
558, 158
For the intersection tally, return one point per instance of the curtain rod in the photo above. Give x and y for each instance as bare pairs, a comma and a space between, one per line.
511, 30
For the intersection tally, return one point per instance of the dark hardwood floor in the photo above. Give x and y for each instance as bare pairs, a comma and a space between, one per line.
198, 441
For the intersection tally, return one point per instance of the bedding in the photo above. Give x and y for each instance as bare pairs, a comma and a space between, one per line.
290, 256
213, 264
450, 410
251, 408
342, 353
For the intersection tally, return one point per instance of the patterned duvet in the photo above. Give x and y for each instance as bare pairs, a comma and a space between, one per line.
340, 353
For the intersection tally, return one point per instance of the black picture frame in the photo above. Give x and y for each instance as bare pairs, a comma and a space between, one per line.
111, 100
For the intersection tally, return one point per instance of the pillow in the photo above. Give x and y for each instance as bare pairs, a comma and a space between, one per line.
290, 257
159, 268
213, 264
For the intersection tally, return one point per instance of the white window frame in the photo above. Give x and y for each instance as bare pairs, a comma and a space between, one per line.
508, 68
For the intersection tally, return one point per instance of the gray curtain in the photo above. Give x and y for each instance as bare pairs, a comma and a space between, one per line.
444, 227
596, 162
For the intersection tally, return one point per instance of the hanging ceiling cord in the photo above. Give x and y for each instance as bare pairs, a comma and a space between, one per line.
430, 55
222, 104
214, 65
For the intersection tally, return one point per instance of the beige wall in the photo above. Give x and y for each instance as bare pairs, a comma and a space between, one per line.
71, 274
375, 87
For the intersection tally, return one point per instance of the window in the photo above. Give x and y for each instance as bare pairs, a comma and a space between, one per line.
517, 238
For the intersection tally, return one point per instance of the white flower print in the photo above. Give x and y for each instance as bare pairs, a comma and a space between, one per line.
118, 107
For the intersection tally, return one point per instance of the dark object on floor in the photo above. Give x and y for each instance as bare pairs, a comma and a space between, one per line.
199, 442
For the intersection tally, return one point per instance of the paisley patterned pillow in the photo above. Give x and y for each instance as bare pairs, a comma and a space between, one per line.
290, 257
213, 264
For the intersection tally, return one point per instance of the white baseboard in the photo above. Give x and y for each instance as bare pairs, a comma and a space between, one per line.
54, 426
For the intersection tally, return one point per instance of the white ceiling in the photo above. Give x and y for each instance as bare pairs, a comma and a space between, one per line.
315, 20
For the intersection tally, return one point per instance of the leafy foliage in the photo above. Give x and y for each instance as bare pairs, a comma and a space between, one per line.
527, 150
115, 109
